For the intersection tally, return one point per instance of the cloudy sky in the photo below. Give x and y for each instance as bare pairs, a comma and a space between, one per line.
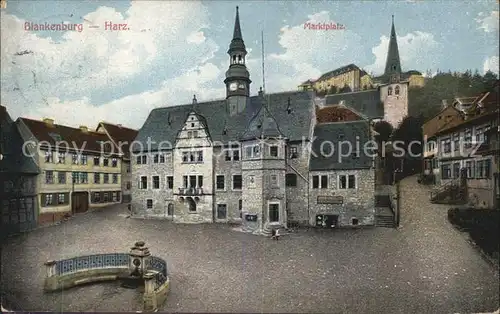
173, 50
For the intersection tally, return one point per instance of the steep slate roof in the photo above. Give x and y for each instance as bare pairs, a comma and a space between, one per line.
344, 69
76, 138
366, 102
392, 54
120, 134
13, 160
336, 113
262, 125
340, 132
163, 124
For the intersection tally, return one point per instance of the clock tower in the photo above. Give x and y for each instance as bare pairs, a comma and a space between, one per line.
237, 77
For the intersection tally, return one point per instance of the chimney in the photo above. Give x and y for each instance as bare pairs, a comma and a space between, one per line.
119, 125
342, 102
445, 103
48, 121
260, 91
84, 128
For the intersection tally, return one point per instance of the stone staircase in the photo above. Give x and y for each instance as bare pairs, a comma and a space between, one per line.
451, 193
385, 221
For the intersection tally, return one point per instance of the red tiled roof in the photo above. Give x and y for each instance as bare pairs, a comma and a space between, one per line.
75, 138
120, 135
336, 114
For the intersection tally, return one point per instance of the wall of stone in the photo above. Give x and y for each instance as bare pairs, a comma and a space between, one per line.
358, 203
161, 197
297, 197
227, 196
395, 106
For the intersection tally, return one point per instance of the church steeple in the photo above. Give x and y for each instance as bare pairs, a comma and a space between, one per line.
237, 77
393, 64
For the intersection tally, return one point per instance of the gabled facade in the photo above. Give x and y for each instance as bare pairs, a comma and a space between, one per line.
79, 169
121, 139
244, 159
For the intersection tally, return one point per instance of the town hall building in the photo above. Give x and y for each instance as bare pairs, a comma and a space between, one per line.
259, 161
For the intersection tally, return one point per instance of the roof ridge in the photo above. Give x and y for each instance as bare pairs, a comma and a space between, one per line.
118, 125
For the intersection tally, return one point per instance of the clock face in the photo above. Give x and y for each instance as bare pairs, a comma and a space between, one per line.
241, 86
233, 86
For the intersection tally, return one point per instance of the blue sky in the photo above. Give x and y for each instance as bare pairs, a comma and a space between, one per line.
176, 49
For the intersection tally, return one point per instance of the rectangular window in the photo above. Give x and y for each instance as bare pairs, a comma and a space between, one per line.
320, 182
129, 185
190, 134
61, 177
192, 181
128, 168
483, 168
291, 179
49, 177
236, 154
84, 178
351, 181
49, 157
61, 158
200, 181
97, 178
200, 156
252, 151
468, 138
156, 158
324, 182
115, 178
60, 198
456, 170
97, 161
456, 141
105, 197
138, 160
273, 151
469, 165
74, 159
143, 183
220, 183
237, 182
228, 155
221, 211
240, 208
105, 162
49, 199
293, 152
185, 181
156, 182
342, 182
170, 182
115, 197
106, 178
195, 133
315, 180
162, 158
114, 162
274, 212
97, 197
83, 159
185, 157
144, 159
446, 171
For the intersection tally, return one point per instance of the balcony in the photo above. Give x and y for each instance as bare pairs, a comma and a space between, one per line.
190, 191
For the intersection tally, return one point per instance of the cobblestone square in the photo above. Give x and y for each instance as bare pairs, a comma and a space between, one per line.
426, 266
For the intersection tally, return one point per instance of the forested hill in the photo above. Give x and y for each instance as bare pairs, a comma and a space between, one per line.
426, 101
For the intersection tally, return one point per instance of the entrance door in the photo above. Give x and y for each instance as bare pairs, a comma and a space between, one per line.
331, 221
79, 202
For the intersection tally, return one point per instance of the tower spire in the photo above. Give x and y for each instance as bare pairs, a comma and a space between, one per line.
393, 63
237, 27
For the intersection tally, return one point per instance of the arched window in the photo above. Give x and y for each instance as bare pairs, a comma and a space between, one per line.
234, 59
396, 90
389, 91
239, 59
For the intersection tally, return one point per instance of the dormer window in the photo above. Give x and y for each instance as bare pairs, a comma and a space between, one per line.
396, 90
389, 91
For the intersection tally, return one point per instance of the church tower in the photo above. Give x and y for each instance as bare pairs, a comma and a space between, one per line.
237, 76
393, 64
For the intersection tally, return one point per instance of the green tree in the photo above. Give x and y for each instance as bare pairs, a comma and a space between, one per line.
384, 130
